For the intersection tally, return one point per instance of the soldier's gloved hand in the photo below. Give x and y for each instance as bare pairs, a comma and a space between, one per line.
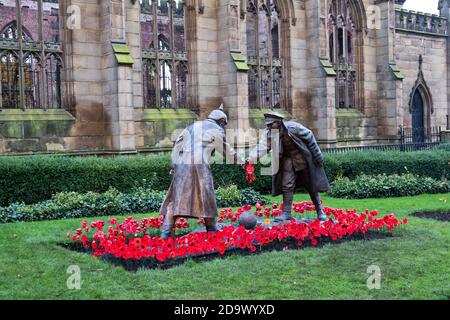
244, 163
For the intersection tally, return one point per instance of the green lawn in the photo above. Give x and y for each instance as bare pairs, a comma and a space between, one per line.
415, 264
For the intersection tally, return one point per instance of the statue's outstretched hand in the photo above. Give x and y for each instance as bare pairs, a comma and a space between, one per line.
245, 163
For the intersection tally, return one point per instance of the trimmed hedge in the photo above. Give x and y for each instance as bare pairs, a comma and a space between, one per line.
112, 202
443, 146
37, 178
383, 186
433, 164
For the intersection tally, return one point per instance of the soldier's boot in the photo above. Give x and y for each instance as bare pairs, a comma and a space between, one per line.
315, 197
288, 197
210, 224
167, 227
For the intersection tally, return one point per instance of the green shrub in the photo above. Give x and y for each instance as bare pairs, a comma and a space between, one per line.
231, 196
227, 196
383, 186
443, 147
112, 202
432, 164
251, 197
75, 205
37, 178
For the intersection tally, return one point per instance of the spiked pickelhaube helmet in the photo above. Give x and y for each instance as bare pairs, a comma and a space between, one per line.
218, 114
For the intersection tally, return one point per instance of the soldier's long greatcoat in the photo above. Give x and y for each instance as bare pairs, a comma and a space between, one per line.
316, 179
191, 193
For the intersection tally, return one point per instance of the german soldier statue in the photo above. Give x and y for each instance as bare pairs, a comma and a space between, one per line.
191, 193
300, 162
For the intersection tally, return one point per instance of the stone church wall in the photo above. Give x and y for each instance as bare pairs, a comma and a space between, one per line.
104, 100
408, 48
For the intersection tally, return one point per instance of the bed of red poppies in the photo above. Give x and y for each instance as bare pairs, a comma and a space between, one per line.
132, 239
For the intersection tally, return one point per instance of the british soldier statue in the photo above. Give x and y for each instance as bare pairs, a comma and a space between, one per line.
300, 162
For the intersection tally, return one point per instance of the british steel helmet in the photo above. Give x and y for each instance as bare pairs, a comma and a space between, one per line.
271, 117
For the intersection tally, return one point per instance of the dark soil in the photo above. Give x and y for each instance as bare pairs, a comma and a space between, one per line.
441, 216
151, 263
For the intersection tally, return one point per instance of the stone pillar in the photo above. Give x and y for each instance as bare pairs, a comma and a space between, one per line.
370, 94
117, 81
233, 84
444, 7
300, 96
213, 31
319, 103
83, 60
133, 36
387, 86
203, 56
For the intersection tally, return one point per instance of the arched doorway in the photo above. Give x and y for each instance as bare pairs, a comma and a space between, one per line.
421, 108
418, 122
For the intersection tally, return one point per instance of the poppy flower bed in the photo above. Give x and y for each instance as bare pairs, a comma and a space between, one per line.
132, 245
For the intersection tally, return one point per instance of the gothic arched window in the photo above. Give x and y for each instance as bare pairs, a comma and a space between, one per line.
11, 32
30, 64
164, 64
342, 52
263, 47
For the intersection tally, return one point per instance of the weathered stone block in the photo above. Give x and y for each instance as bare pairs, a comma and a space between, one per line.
11, 130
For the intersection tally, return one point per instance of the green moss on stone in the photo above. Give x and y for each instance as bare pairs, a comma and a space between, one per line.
349, 123
34, 128
11, 130
35, 115
159, 125
168, 114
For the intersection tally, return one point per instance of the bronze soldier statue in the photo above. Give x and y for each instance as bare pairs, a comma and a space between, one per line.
191, 193
300, 162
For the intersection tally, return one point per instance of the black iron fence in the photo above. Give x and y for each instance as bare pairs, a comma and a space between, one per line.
410, 139
413, 139
420, 135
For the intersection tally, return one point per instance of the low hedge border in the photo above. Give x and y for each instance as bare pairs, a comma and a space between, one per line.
37, 178
67, 205
383, 186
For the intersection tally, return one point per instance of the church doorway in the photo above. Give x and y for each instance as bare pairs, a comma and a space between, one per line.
418, 123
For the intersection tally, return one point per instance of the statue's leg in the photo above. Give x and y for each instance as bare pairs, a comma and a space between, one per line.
167, 227
210, 224
288, 198
288, 187
315, 197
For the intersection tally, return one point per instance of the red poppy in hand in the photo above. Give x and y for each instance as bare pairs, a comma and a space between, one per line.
250, 173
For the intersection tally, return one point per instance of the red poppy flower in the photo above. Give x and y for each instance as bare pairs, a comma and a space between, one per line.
115, 241
250, 173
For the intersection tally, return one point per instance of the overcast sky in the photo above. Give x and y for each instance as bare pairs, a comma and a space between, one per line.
430, 6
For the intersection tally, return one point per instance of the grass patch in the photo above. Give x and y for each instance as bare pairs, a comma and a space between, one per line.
414, 264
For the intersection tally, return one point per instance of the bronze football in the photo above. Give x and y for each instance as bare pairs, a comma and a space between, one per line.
248, 220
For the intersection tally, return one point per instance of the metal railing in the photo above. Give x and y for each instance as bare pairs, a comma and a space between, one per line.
409, 140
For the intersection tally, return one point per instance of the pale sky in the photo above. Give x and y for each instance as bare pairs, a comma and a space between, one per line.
430, 6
